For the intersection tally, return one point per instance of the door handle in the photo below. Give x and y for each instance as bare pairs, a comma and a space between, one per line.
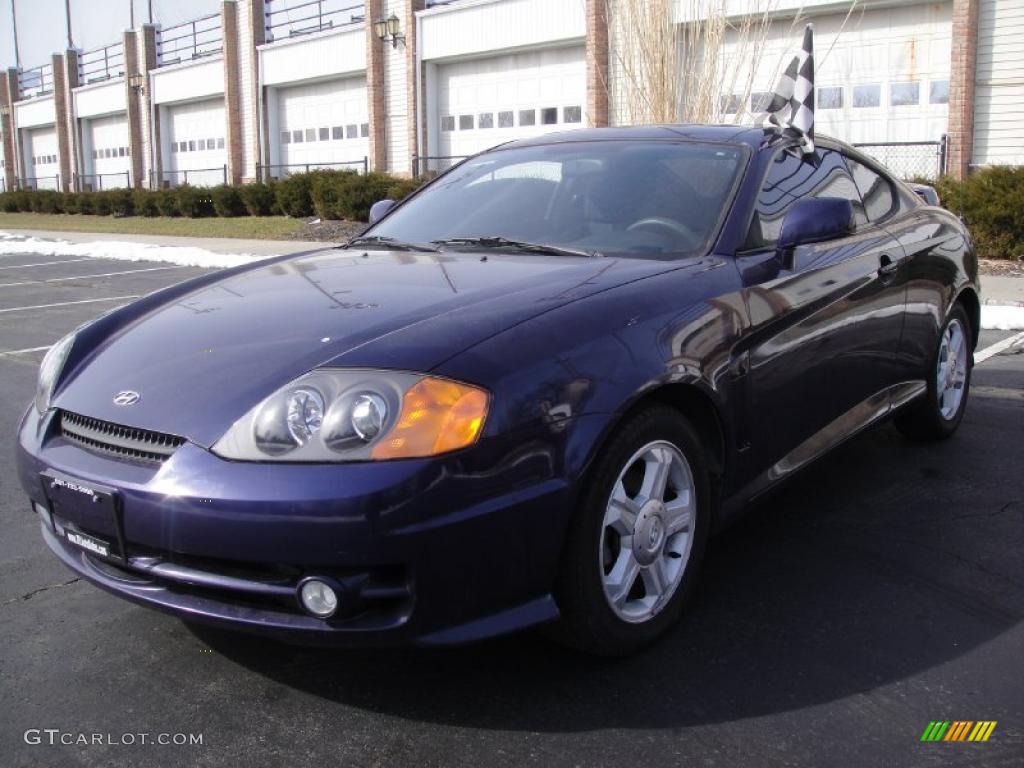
887, 266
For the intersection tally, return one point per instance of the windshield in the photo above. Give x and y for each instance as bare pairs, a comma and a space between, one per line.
650, 199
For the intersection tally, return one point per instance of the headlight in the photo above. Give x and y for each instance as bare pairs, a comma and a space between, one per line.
49, 371
356, 415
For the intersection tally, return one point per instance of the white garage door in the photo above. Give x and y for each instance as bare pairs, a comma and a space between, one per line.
999, 96
106, 152
196, 135
41, 157
3, 166
323, 125
484, 102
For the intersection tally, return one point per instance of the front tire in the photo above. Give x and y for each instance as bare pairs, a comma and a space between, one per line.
637, 536
937, 415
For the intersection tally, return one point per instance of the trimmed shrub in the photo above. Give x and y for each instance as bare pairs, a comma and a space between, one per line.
227, 202
347, 195
292, 195
145, 202
259, 198
991, 203
86, 202
194, 202
402, 188
122, 202
102, 203
46, 201
167, 202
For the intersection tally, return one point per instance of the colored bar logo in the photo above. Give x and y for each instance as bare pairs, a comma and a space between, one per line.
958, 730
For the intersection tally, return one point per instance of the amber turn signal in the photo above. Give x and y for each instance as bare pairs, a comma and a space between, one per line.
437, 416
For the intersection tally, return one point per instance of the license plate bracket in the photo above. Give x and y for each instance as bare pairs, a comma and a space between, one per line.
89, 513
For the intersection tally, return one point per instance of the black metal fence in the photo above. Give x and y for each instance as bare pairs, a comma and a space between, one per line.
95, 182
101, 64
190, 40
196, 177
425, 165
287, 18
37, 81
909, 159
38, 182
267, 172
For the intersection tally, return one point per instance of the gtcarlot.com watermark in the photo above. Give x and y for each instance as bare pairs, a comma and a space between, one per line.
55, 736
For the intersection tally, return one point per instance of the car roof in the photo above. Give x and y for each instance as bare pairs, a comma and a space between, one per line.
754, 137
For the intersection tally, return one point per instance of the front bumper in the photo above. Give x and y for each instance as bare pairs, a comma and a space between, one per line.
431, 551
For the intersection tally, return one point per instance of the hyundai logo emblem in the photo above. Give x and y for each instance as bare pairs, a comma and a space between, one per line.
127, 397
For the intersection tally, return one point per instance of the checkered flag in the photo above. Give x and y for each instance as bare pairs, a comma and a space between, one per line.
791, 109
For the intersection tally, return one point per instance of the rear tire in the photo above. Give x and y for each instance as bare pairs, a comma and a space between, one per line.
637, 537
937, 414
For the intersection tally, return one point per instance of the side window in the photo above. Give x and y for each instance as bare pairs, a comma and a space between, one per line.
875, 189
792, 178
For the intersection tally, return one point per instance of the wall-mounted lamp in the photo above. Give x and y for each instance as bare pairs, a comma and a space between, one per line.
137, 82
390, 27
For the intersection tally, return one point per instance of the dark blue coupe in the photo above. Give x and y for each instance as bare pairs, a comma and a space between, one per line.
526, 395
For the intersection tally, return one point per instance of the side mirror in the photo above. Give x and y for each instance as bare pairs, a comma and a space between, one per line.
926, 193
815, 219
380, 209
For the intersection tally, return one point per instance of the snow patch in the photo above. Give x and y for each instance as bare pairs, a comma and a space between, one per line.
996, 317
120, 250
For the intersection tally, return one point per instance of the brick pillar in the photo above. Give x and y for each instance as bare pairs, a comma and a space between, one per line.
8, 95
412, 69
143, 134
252, 32
232, 88
597, 63
375, 88
65, 78
963, 67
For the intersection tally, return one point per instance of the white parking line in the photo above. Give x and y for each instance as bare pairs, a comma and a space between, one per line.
69, 303
46, 263
86, 277
999, 346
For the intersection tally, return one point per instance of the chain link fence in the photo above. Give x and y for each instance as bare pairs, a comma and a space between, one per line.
909, 159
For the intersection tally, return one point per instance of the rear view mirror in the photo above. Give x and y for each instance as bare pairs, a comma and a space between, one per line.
815, 219
380, 209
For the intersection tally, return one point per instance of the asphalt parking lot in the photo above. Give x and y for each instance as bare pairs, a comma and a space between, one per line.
880, 590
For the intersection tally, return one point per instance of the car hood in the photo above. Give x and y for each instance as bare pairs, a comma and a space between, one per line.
202, 359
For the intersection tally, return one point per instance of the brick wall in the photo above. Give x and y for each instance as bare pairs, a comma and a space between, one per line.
597, 63
375, 88
232, 91
8, 95
963, 64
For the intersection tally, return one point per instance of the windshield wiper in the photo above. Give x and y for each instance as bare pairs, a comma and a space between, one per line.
389, 243
517, 245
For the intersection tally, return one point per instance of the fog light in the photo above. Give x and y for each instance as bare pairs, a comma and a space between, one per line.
44, 514
318, 598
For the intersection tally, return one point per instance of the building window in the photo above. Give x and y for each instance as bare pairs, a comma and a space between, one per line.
311, 134
220, 143
830, 97
448, 123
122, 151
296, 137
286, 137
364, 130
527, 117
506, 119
465, 122
572, 115
867, 96
938, 92
549, 116
485, 120
338, 132
905, 94
325, 134
351, 131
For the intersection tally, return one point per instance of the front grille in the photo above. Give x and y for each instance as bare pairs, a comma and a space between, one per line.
117, 440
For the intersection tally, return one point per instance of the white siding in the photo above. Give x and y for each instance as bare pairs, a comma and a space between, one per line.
195, 135
106, 151
33, 112
474, 27
549, 83
320, 124
396, 107
183, 82
100, 99
999, 99
326, 54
